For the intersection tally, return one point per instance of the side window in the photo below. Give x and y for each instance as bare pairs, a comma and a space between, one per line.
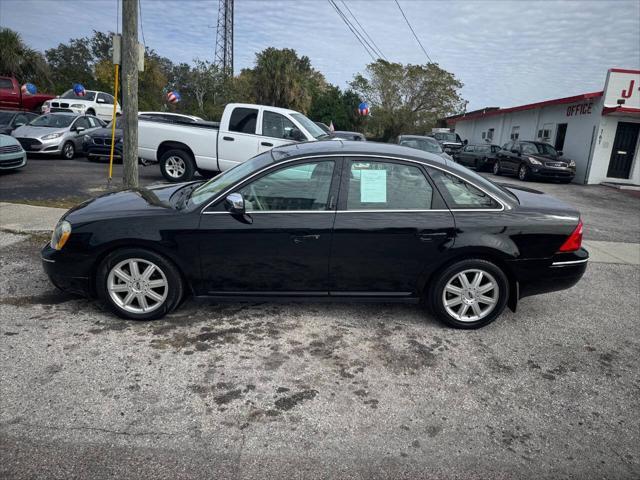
460, 194
387, 186
95, 122
21, 119
102, 97
6, 84
529, 148
276, 125
243, 120
82, 122
297, 187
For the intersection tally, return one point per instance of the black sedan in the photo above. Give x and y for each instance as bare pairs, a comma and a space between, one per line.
480, 157
335, 220
97, 144
530, 160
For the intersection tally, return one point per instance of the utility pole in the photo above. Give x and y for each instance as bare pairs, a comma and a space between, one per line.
130, 91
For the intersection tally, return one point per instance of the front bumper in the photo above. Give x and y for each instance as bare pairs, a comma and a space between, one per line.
69, 272
560, 272
36, 145
92, 150
559, 173
10, 161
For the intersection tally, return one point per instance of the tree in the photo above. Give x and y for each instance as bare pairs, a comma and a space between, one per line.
332, 105
20, 61
282, 79
71, 63
407, 98
205, 81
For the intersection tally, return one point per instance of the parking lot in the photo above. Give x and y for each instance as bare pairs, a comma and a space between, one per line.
316, 390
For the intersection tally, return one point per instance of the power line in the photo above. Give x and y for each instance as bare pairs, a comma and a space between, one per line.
141, 27
364, 43
413, 31
377, 51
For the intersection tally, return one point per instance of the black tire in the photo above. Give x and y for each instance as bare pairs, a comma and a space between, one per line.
496, 168
68, 151
435, 297
173, 280
91, 111
523, 172
174, 171
207, 173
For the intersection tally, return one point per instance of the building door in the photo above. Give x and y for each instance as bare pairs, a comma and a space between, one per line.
560, 134
624, 146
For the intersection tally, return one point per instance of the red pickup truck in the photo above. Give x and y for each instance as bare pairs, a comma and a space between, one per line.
11, 97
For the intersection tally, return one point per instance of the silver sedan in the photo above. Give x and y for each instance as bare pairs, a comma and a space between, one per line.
59, 134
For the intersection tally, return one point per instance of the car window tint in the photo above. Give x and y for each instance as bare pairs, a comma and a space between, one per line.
6, 84
82, 122
529, 148
276, 125
297, 187
94, 122
243, 120
21, 118
459, 193
387, 186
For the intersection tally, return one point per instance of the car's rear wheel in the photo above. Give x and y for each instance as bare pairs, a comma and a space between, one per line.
496, 168
177, 166
68, 151
91, 112
139, 284
469, 294
523, 172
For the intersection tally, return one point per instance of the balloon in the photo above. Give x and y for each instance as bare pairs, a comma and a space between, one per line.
363, 109
173, 97
79, 90
28, 89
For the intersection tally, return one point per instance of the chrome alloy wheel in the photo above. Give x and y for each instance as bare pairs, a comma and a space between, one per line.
137, 285
68, 151
470, 295
175, 166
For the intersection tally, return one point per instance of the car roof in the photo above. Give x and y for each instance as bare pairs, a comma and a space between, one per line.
347, 132
419, 137
338, 146
254, 106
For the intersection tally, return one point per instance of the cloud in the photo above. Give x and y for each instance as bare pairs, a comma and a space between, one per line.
505, 52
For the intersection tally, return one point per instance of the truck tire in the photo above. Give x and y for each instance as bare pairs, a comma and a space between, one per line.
177, 166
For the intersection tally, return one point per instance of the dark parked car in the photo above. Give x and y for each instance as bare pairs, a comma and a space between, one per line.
355, 136
97, 144
533, 160
424, 143
449, 141
350, 221
481, 157
10, 120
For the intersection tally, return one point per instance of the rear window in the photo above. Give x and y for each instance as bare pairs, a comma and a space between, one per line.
6, 84
243, 120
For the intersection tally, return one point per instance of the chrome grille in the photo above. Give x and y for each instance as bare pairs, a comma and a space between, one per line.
10, 149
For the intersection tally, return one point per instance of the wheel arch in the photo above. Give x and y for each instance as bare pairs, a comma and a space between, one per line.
137, 243
496, 257
167, 145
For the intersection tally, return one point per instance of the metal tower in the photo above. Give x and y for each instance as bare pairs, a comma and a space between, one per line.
224, 37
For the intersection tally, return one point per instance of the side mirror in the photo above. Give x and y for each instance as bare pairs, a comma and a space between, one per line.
297, 135
80, 129
19, 124
559, 152
234, 203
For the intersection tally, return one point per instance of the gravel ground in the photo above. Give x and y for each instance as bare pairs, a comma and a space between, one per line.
317, 390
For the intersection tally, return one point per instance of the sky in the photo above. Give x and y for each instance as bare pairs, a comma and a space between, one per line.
505, 52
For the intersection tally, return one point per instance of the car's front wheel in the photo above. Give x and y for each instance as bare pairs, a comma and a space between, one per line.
523, 172
177, 166
469, 294
68, 151
139, 284
496, 168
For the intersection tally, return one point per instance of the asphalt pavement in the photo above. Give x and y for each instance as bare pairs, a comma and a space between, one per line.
319, 390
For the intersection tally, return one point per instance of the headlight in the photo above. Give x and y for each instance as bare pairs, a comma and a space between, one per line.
534, 161
52, 136
60, 235
572, 163
79, 106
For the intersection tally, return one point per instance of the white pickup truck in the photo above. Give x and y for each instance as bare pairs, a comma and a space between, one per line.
182, 148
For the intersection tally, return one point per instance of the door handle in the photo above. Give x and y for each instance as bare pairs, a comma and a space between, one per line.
298, 239
430, 237
266, 144
228, 139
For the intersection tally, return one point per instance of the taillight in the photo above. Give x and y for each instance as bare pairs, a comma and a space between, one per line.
574, 242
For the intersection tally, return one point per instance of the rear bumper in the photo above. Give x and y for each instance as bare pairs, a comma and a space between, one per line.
560, 272
70, 273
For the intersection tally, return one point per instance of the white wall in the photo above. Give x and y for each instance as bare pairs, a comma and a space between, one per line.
603, 146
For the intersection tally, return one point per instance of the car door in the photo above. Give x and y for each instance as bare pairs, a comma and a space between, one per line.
281, 246
466, 155
276, 129
240, 142
77, 136
9, 96
104, 106
506, 157
391, 226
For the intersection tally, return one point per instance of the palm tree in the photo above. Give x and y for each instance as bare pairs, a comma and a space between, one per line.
20, 61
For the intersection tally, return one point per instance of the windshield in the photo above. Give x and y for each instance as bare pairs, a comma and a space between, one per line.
53, 121
425, 145
309, 126
71, 94
539, 149
447, 137
216, 185
5, 117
